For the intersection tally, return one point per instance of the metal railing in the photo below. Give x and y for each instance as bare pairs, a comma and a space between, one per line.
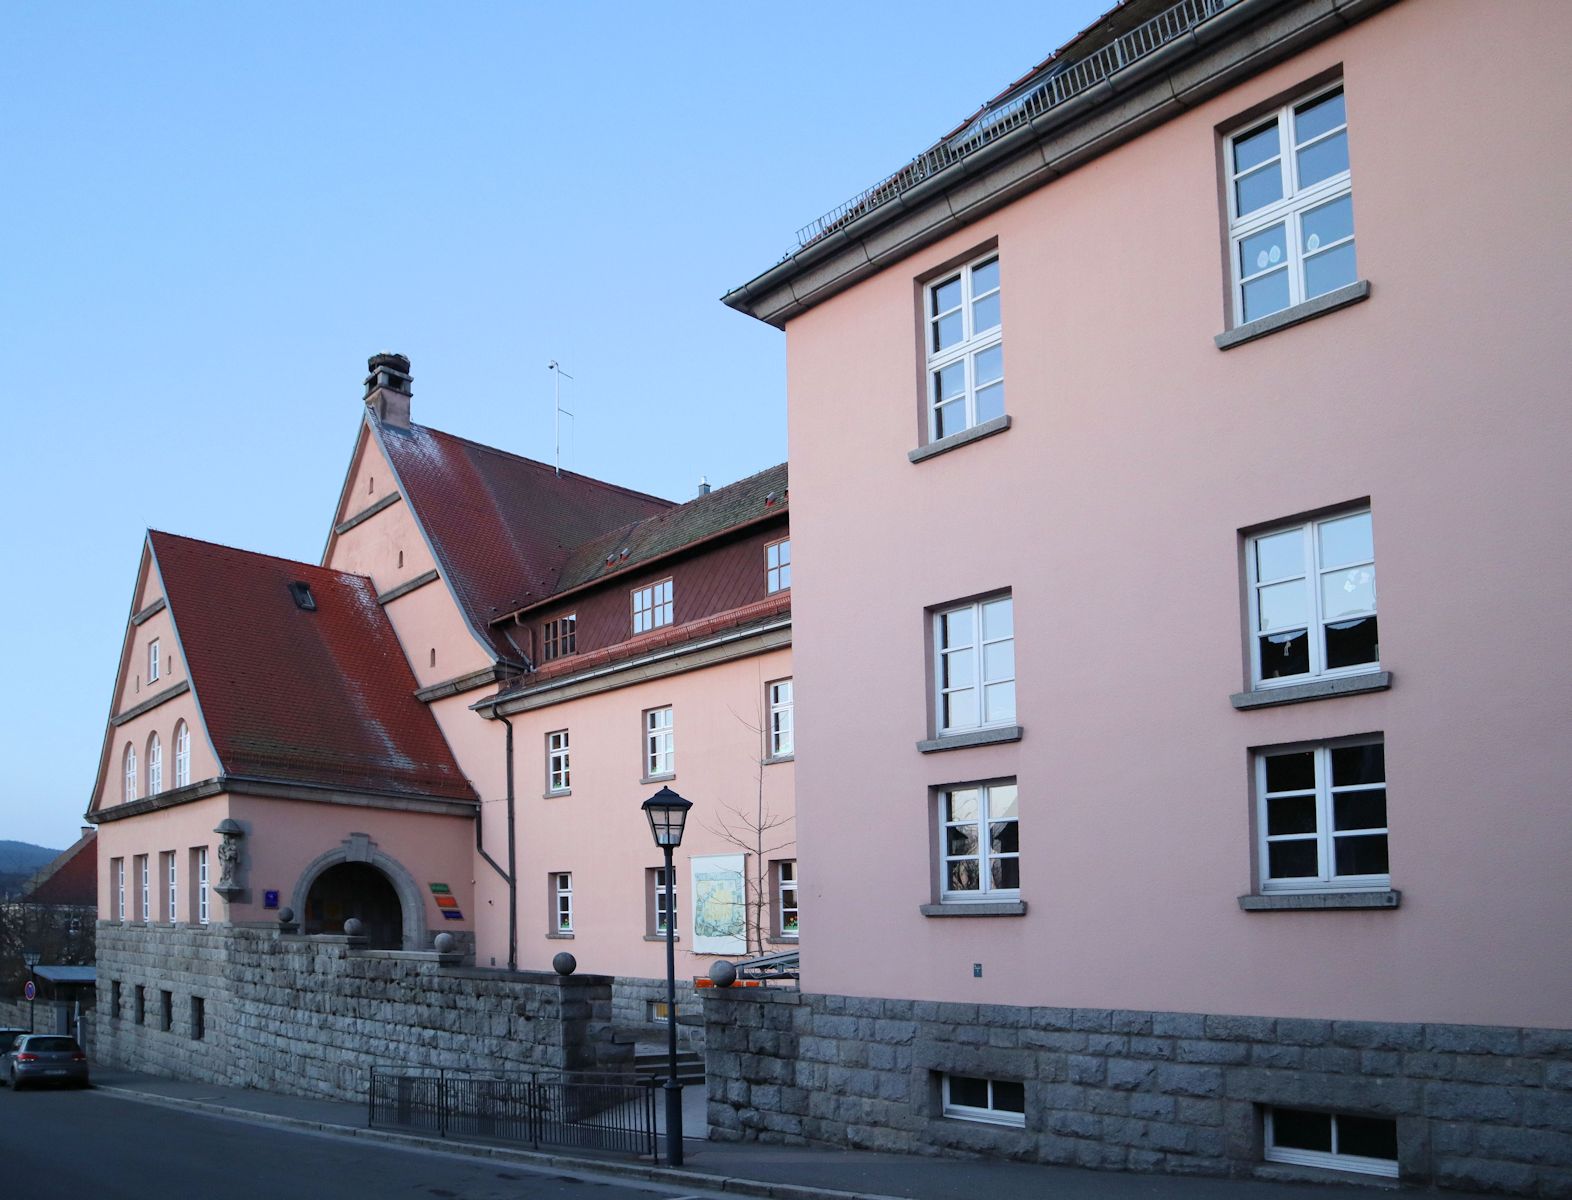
1056, 86
612, 1112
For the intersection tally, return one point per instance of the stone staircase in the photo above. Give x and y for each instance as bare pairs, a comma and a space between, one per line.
651, 1064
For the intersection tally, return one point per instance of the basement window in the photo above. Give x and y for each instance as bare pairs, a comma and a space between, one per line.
1341, 1141
301, 593
994, 1101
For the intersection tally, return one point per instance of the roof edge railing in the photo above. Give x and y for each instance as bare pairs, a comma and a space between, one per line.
1058, 84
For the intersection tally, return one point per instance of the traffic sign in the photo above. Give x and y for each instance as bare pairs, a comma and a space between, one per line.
30, 991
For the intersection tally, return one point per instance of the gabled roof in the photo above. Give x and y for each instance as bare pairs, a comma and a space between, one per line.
501, 526
70, 878
321, 696
730, 507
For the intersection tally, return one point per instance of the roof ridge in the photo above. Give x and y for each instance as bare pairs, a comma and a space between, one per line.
545, 467
278, 558
678, 507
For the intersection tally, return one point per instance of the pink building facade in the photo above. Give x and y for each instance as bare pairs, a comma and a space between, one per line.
1174, 846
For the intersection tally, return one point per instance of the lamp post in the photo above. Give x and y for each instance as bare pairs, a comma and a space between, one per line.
668, 813
31, 959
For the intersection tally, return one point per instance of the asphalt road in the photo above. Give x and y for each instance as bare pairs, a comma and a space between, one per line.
57, 1143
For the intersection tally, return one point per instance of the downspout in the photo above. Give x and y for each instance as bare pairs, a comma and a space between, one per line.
511, 874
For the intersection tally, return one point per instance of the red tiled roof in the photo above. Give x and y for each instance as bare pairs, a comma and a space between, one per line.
323, 697
70, 879
502, 526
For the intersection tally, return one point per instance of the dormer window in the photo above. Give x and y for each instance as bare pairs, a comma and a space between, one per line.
301, 593
152, 661
652, 606
559, 637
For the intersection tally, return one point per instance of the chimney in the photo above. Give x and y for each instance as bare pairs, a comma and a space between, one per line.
388, 388
704, 485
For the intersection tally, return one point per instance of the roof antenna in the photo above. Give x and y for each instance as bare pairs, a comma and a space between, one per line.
558, 375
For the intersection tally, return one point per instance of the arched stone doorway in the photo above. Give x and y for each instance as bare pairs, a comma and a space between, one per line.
360, 851
354, 889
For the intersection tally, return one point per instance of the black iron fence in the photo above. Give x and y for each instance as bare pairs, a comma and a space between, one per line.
615, 1112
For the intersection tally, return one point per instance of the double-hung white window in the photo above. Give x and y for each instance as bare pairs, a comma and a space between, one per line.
155, 765
120, 890
782, 719
980, 843
1313, 600
658, 910
1290, 207
965, 349
786, 896
777, 566
562, 890
559, 777
652, 606
660, 744
130, 766
201, 882
152, 661
147, 892
974, 660
182, 754
169, 861
1322, 817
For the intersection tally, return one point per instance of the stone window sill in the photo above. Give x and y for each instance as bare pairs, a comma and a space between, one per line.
660, 937
1299, 313
556, 795
669, 775
1320, 689
559, 937
782, 941
956, 440
975, 908
972, 737
779, 758
1307, 901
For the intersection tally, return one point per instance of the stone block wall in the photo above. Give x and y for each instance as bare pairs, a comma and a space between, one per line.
310, 1015
630, 1004
1476, 1107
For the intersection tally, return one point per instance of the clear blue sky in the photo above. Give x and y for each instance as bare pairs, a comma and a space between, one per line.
213, 213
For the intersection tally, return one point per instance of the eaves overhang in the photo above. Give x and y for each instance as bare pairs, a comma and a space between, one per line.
1244, 39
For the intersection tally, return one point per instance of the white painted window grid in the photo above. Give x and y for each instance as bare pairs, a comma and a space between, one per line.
182, 754
172, 912
786, 896
559, 777
1291, 224
652, 606
201, 873
783, 738
992, 1101
1329, 797
152, 661
979, 841
120, 889
1312, 600
658, 882
777, 566
147, 892
155, 765
563, 885
130, 766
660, 745
559, 637
974, 665
964, 345
1339, 1141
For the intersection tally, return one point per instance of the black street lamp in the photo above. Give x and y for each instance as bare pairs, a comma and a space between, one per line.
668, 813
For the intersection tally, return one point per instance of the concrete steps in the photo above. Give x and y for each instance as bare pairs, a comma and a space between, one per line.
652, 1065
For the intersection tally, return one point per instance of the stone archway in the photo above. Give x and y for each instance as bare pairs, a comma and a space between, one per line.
359, 890
359, 849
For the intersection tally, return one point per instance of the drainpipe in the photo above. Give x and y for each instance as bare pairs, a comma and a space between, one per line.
511, 874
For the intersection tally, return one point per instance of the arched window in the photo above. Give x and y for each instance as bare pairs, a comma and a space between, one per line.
130, 772
155, 765
182, 754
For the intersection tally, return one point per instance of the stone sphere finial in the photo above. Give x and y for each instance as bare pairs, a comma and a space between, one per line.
444, 942
564, 964
286, 916
723, 974
355, 927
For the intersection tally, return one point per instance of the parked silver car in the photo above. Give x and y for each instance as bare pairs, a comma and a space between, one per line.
46, 1058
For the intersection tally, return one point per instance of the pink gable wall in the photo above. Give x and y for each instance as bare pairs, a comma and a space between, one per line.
1113, 508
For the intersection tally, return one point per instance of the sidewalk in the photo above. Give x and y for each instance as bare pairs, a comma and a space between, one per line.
753, 1168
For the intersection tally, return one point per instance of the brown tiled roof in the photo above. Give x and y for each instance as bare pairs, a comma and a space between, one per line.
502, 526
322, 697
71, 878
654, 537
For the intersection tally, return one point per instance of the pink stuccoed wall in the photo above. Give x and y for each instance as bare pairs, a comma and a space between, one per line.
1113, 508
178, 829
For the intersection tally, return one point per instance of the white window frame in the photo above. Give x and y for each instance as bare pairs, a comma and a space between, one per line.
202, 881
657, 877
786, 898
1311, 574
989, 1115
182, 754
783, 718
777, 566
1290, 209
174, 912
559, 776
562, 889
1386, 1167
155, 765
980, 680
129, 761
120, 890
652, 606
147, 891
972, 341
984, 892
660, 743
1326, 833
152, 661
559, 637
